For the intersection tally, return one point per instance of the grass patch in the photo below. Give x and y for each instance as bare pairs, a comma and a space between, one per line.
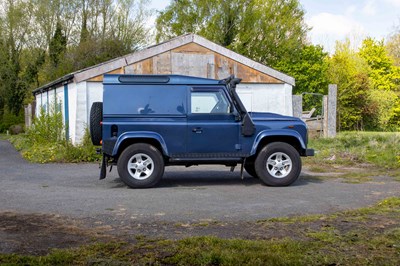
367, 236
380, 149
371, 153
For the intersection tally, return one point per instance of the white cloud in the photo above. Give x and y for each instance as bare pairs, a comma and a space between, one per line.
350, 10
328, 28
327, 23
395, 3
369, 8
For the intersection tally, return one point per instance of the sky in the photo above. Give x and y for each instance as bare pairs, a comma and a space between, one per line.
336, 20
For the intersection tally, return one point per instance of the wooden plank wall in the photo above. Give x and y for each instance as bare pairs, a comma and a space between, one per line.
195, 60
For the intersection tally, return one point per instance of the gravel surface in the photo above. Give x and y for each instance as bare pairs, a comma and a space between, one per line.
203, 193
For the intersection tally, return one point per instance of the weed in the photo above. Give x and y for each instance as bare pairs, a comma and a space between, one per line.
352, 148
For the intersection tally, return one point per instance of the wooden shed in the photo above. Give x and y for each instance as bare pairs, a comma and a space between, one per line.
262, 89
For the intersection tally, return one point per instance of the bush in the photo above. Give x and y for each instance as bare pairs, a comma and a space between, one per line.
9, 119
45, 142
16, 129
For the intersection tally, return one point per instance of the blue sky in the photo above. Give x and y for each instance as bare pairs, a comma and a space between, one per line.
333, 20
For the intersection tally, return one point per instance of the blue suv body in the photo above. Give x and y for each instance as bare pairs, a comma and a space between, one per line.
147, 122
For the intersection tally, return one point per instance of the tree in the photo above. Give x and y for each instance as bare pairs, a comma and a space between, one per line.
382, 71
310, 69
268, 31
393, 45
16, 27
58, 45
393, 48
349, 72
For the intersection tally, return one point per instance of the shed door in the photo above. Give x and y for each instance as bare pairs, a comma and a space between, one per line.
212, 128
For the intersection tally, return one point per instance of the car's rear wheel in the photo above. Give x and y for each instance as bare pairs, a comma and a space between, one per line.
96, 116
141, 165
278, 164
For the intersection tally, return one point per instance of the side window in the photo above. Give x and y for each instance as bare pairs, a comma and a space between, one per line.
209, 102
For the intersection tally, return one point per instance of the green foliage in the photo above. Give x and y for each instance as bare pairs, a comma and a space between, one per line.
45, 141
266, 31
382, 71
48, 127
9, 119
393, 47
309, 69
349, 71
40, 41
57, 45
384, 115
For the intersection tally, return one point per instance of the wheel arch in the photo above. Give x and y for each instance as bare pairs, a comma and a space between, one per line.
129, 138
290, 137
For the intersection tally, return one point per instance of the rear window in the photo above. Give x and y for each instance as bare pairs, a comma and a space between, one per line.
144, 100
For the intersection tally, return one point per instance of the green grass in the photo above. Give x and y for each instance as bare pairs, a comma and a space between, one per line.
380, 149
367, 236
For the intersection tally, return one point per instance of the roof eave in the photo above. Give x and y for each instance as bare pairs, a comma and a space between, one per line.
60, 81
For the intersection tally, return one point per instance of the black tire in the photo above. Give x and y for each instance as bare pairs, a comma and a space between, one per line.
96, 116
278, 164
141, 165
250, 168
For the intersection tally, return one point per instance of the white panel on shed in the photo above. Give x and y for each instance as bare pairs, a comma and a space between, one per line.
247, 100
38, 103
95, 94
81, 111
266, 97
72, 110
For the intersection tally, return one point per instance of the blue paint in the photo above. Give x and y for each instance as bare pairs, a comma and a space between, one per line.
66, 111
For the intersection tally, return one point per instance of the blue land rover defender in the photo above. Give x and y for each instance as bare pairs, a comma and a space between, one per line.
147, 122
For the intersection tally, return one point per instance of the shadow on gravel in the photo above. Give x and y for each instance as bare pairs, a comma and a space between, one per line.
195, 179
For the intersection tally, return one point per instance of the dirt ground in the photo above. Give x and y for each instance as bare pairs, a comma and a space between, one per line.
38, 234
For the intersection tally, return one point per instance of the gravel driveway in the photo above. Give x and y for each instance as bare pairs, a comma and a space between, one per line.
184, 195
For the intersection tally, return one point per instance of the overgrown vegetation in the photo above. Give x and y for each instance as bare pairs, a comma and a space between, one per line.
45, 141
368, 236
381, 149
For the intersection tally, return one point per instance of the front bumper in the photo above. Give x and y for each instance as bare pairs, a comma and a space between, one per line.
309, 152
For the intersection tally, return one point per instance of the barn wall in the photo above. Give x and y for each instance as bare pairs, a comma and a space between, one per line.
47, 99
95, 94
81, 122
72, 108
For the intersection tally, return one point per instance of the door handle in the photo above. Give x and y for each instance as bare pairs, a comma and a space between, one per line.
197, 130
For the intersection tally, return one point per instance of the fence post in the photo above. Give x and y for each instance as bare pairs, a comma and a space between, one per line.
297, 101
330, 115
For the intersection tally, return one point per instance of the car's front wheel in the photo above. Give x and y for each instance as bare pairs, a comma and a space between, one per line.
278, 164
141, 165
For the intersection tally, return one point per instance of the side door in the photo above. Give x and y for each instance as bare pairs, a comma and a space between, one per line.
213, 128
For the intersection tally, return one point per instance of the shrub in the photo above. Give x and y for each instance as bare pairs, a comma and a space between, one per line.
45, 141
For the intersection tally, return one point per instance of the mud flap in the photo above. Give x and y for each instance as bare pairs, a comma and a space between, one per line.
241, 170
103, 168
